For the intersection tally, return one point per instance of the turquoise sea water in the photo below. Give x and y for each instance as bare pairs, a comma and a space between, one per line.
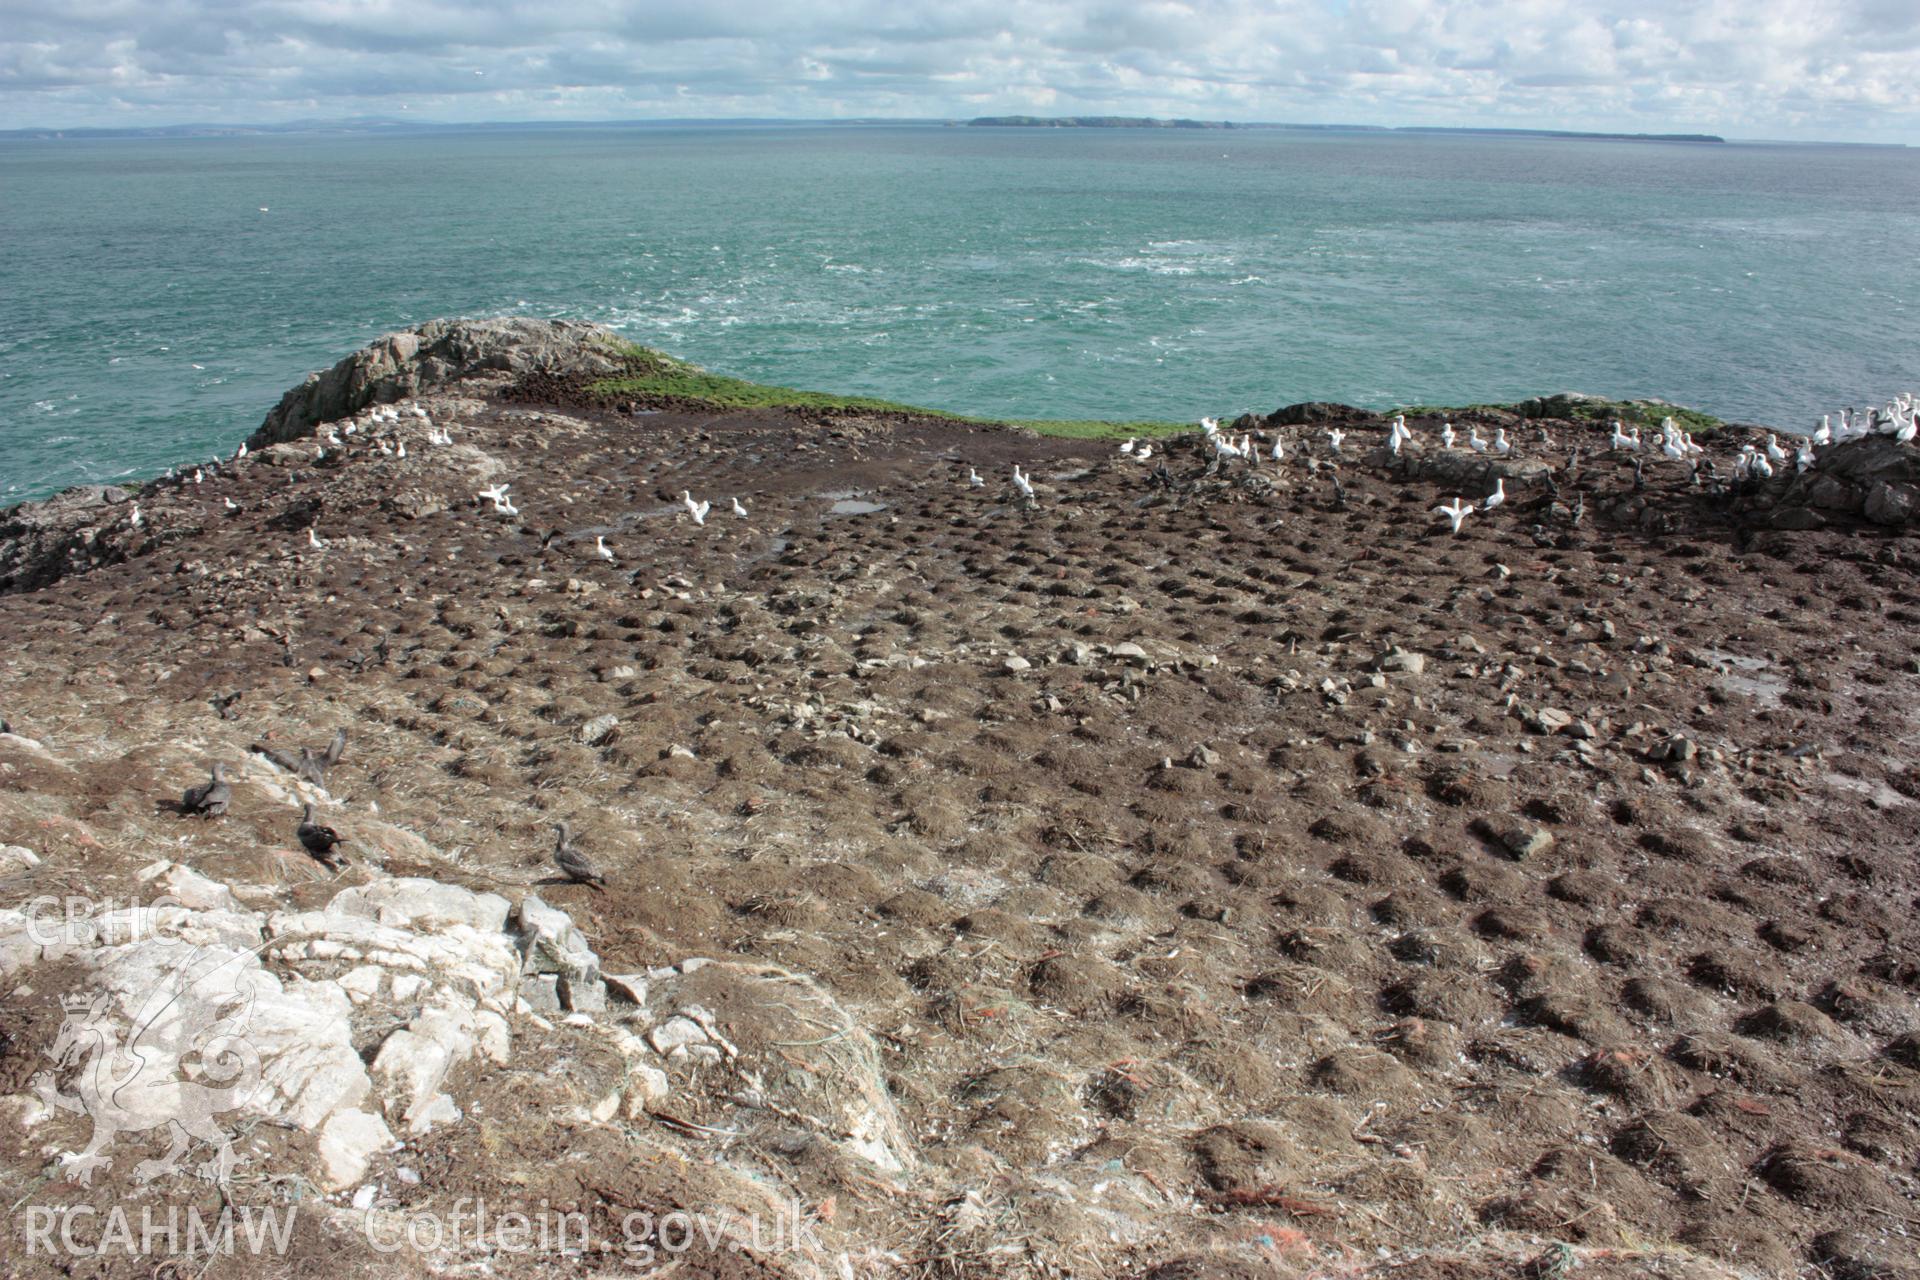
150, 312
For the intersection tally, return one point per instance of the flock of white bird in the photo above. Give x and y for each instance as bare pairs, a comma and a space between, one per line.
1896, 419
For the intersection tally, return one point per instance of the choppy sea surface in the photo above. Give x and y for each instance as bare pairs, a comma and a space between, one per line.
157, 295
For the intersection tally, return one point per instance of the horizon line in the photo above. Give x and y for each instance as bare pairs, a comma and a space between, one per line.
380, 122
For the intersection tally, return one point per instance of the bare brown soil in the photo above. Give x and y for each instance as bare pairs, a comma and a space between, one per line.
1246, 951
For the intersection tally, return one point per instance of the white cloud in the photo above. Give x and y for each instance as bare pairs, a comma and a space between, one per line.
1841, 68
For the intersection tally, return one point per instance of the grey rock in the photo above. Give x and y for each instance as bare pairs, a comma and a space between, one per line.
1404, 660
1549, 720
583, 995
549, 943
436, 354
541, 991
1891, 503
627, 988
1523, 840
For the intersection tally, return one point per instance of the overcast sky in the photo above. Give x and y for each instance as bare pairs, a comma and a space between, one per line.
1836, 69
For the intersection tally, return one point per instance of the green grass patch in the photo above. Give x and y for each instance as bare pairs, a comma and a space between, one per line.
650, 374
654, 374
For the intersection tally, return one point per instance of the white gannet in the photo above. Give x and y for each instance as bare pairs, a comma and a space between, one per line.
495, 495
1498, 496
1501, 445
1671, 446
1761, 467
241, 452
1020, 482
973, 479
1447, 434
1904, 433
135, 518
1457, 513
1144, 452
1210, 425
1775, 454
1279, 454
1803, 457
1474, 441
400, 449
1393, 443
1823, 434
1620, 439
231, 504
1334, 436
600, 547
738, 509
313, 539
1127, 448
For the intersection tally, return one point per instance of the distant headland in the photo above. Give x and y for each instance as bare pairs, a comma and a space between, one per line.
1147, 122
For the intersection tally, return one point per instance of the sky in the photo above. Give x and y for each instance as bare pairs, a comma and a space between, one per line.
1842, 70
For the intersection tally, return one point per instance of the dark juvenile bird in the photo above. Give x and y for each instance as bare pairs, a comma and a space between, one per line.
209, 800
567, 856
320, 841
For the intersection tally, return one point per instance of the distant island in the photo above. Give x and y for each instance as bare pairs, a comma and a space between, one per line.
1094, 122
1566, 133
1146, 122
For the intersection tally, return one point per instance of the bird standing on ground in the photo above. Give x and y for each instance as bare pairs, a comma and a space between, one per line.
1498, 496
1501, 445
973, 479
1447, 434
209, 800
567, 856
600, 547
698, 510
739, 510
1020, 482
321, 842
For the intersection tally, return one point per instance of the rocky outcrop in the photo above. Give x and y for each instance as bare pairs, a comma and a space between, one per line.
1876, 479
42, 542
209, 1006
1313, 412
434, 355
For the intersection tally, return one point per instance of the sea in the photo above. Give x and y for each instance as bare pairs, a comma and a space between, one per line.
157, 294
